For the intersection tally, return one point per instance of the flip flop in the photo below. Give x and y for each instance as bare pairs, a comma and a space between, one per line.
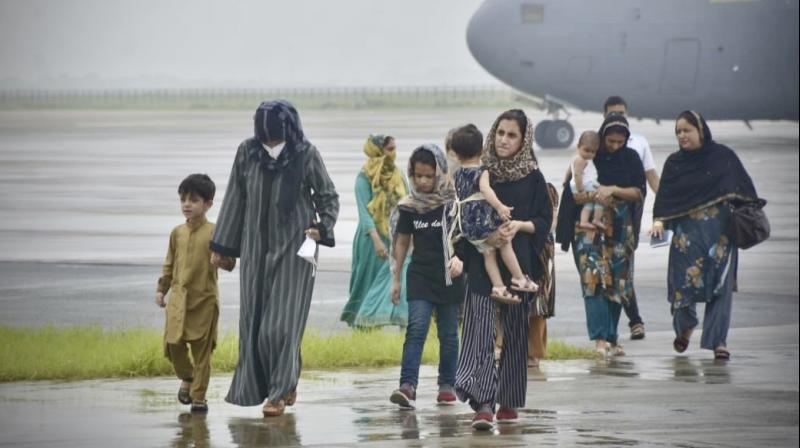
527, 285
722, 354
502, 295
680, 344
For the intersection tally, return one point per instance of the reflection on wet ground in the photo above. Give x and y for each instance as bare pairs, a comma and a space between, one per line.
651, 397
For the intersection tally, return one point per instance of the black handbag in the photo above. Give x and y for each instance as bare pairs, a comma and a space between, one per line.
749, 224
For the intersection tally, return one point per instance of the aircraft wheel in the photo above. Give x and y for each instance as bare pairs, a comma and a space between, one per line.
559, 134
539, 133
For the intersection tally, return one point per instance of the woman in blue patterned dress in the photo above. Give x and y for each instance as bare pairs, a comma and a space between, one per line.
700, 182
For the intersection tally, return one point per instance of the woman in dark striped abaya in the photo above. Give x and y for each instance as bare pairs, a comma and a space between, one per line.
278, 193
518, 183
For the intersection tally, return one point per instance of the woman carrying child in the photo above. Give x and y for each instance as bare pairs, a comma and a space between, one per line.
481, 213
604, 258
518, 183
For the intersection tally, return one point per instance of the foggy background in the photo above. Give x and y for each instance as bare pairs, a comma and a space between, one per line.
124, 44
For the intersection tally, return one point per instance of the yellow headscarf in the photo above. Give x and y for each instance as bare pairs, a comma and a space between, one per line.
386, 182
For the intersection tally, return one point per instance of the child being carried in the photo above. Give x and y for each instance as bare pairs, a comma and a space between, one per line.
481, 213
584, 179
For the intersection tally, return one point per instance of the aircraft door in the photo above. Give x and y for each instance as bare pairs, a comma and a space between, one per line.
679, 73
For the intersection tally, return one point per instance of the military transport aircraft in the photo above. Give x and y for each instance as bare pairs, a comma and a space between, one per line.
730, 59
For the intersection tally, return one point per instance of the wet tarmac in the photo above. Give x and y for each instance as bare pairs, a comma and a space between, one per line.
89, 199
651, 397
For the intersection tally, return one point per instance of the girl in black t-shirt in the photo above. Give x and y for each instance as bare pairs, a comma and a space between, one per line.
423, 216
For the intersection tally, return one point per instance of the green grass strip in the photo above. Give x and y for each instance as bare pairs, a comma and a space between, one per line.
77, 353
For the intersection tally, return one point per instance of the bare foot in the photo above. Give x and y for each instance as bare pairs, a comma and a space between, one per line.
587, 226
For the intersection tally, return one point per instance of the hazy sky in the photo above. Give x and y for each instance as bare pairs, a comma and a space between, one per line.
163, 43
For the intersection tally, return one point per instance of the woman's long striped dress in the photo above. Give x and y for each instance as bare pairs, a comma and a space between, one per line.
275, 283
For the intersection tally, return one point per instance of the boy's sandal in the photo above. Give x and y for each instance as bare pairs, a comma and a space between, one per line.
722, 354
524, 284
274, 409
502, 295
290, 398
199, 406
183, 392
680, 344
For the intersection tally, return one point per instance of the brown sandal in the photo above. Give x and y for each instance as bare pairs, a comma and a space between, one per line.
502, 295
290, 398
274, 409
524, 284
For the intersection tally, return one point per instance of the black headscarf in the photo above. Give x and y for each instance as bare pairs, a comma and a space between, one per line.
278, 120
623, 167
693, 179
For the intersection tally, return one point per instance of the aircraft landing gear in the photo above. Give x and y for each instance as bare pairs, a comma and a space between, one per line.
554, 134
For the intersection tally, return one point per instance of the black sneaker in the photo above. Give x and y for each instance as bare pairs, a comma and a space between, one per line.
405, 396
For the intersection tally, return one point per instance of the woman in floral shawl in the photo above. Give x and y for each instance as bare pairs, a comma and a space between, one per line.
699, 183
605, 259
379, 186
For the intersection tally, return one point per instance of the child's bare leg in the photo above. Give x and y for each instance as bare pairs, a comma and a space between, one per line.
586, 215
519, 281
492, 268
499, 290
598, 217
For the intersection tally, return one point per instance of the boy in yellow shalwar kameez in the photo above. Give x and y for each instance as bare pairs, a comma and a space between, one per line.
193, 308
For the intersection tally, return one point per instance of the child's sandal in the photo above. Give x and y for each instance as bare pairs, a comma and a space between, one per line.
524, 284
502, 295
199, 406
183, 392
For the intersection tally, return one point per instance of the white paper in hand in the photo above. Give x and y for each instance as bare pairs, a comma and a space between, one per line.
308, 251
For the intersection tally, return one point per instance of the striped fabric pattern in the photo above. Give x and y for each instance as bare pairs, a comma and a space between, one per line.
478, 379
275, 284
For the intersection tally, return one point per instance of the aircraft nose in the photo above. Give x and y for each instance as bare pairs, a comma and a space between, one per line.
489, 34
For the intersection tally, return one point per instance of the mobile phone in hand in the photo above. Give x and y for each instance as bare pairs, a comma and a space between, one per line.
665, 240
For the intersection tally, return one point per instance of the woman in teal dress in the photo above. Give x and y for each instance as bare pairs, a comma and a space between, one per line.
605, 259
379, 186
701, 181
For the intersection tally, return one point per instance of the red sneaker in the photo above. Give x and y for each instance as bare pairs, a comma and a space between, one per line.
405, 396
507, 415
447, 396
483, 421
